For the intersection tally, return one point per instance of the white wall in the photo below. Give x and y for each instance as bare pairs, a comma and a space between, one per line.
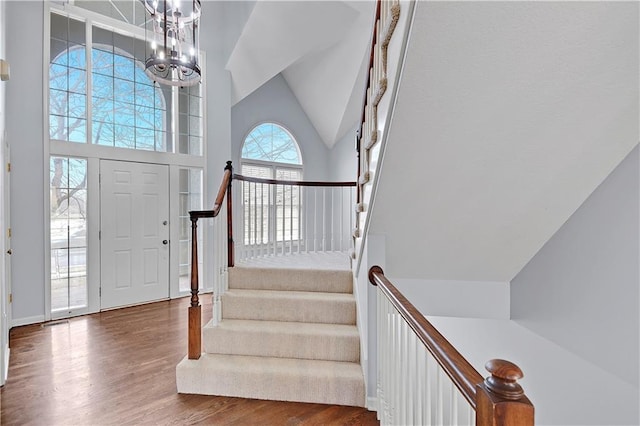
217, 116
25, 132
275, 102
564, 388
508, 115
4, 290
465, 299
581, 289
343, 159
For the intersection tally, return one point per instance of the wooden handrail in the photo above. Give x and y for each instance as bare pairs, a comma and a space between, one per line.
290, 182
217, 204
457, 368
497, 400
359, 134
195, 317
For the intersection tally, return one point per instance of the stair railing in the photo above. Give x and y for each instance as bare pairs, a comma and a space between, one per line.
423, 379
195, 315
282, 217
379, 80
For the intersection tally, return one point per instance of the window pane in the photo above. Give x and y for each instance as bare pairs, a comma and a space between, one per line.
190, 122
125, 96
67, 80
270, 142
68, 232
190, 197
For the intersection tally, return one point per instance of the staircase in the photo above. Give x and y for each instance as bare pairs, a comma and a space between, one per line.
286, 334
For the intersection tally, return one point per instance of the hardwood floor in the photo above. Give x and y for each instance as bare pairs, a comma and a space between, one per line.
118, 367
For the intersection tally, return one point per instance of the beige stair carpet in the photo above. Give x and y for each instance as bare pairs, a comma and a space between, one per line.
286, 334
300, 306
282, 379
333, 342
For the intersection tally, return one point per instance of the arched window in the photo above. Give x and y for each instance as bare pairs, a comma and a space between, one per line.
271, 142
127, 109
270, 151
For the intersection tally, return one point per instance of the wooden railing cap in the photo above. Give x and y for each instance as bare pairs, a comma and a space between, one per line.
374, 269
503, 379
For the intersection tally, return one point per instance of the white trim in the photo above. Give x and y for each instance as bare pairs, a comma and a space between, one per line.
27, 321
385, 134
93, 229
101, 21
372, 403
174, 231
5, 371
46, 51
83, 150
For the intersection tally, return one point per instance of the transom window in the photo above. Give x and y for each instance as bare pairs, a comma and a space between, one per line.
273, 143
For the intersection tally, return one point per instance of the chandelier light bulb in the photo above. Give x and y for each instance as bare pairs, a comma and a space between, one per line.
161, 54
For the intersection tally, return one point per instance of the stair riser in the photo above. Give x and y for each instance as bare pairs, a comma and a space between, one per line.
234, 342
291, 280
194, 377
286, 309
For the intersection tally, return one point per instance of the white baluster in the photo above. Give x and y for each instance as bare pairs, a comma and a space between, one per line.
299, 236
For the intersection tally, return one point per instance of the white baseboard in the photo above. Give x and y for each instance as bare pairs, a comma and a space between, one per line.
372, 403
5, 373
17, 322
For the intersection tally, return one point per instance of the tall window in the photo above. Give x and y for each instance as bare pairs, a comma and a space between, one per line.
100, 96
68, 210
270, 151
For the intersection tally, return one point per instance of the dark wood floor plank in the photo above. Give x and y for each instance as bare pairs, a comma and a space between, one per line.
118, 368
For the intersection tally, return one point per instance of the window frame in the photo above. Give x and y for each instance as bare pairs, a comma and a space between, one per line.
274, 166
93, 153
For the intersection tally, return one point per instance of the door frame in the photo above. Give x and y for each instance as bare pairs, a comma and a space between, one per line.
93, 155
137, 169
5, 280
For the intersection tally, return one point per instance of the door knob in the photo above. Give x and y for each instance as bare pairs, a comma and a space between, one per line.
9, 251
165, 242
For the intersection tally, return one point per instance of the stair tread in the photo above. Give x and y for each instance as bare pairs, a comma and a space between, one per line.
287, 294
291, 278
286, 327
246, 365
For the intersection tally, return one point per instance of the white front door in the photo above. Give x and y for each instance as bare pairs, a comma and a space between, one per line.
134, 242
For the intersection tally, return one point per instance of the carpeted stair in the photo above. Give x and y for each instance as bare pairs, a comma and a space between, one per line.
285, 334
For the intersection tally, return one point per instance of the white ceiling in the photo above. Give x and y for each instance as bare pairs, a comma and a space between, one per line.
508, 116
320, 47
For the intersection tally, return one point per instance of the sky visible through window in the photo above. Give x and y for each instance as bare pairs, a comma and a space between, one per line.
127, 109
270, 142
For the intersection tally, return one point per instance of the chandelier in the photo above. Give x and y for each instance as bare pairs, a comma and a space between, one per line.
174, 41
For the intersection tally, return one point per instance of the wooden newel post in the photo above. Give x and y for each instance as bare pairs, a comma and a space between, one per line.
230, 244
500, 400
195, 337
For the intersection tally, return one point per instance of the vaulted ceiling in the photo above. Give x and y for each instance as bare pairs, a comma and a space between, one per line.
320, 47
